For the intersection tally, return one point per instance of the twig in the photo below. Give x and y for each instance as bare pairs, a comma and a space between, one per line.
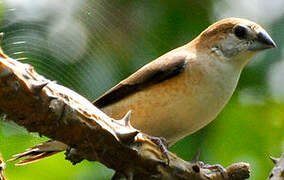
2, 168
277, 173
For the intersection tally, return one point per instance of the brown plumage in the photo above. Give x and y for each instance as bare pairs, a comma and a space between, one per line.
156, 72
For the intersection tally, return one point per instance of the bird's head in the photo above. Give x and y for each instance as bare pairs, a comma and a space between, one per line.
234, 39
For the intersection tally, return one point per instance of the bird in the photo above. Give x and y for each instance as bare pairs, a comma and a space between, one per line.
183, 90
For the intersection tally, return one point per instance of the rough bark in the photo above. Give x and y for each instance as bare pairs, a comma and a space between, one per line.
277, 173
42, 106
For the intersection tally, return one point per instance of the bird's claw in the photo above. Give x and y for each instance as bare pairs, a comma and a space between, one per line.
218, 168
162, 143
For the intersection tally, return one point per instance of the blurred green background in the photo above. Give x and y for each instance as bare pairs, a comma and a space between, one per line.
90, 45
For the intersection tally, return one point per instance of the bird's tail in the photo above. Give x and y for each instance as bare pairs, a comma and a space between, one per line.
39, 152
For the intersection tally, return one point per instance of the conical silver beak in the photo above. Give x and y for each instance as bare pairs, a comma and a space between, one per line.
263, 41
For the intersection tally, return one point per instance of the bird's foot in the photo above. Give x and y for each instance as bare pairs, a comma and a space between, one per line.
218, 168
163, 145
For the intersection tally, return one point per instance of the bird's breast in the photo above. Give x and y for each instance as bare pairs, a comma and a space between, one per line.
181, 105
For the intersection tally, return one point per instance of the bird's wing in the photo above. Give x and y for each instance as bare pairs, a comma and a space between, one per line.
159, 70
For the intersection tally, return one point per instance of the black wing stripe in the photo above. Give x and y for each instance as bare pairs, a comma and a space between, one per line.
140, 80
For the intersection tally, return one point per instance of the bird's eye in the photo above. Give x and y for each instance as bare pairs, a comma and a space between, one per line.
240, 31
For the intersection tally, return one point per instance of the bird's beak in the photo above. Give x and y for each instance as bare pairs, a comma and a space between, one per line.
262, 41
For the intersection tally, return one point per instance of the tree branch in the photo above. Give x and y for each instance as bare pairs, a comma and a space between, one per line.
277, 172
42, 106
2, 168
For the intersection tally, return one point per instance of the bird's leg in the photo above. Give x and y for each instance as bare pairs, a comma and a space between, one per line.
217, 167
163, 145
